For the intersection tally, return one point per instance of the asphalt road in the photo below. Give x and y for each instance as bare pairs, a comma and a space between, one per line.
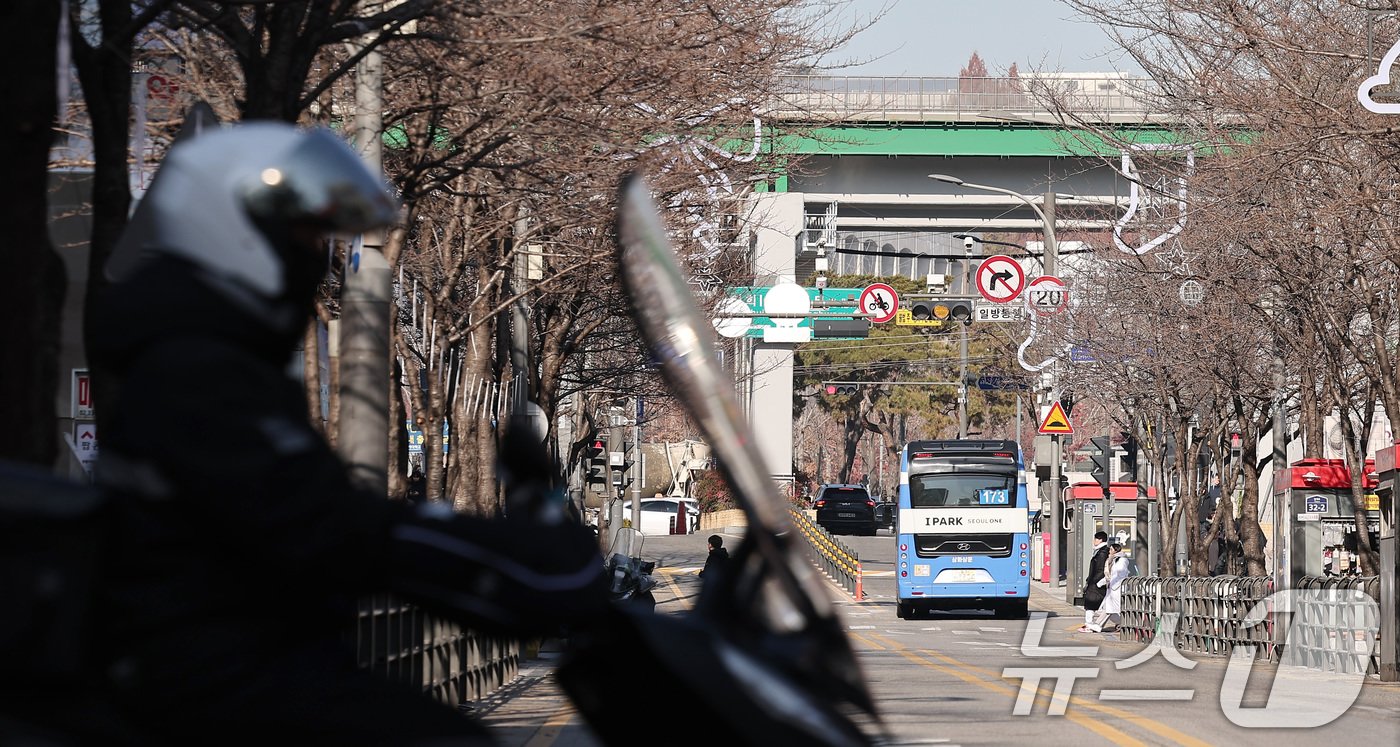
968, 678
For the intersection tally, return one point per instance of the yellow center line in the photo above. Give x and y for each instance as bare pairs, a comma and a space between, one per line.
1156, 727
669, 576
958, 670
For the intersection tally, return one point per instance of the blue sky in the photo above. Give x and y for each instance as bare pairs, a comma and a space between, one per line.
936, 38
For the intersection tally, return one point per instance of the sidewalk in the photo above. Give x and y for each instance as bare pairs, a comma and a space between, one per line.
531, 710
1070, 616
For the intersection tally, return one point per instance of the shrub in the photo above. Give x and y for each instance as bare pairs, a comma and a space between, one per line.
712, 492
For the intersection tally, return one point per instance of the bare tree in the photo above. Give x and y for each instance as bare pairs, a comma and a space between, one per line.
33, 287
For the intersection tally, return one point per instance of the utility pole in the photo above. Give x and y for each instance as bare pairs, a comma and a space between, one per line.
1282, 528
1049, 262
366, 299
1389, 573
967, 272
1142, 547
962, 378
637, 467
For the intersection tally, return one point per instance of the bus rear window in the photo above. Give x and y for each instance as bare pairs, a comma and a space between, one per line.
945, 490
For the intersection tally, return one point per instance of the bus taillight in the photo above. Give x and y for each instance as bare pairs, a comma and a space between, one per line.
903, 547
1023, 545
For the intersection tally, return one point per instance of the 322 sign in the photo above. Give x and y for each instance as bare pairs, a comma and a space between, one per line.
1047, 295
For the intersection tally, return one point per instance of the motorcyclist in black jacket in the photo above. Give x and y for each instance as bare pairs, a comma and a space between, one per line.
239, 544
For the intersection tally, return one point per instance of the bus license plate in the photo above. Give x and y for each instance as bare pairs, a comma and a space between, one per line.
964, 576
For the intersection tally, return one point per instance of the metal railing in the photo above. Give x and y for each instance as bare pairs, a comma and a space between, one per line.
919, 98
1212, 615
1330, 630
833, 558
452, 664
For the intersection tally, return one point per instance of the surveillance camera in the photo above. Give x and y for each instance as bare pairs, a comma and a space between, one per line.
968, 242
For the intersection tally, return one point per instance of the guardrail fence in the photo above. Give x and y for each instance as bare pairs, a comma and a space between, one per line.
452, 664
839, 562
857, 97
1328, 620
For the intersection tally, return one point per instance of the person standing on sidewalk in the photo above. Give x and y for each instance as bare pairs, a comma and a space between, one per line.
718, 557
1093, 592
1112, 583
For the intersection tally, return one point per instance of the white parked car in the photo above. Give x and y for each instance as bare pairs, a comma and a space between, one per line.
659, 514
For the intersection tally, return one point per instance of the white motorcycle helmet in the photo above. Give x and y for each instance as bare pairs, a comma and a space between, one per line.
249, 205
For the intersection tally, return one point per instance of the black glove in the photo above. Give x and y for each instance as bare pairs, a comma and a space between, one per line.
505, 575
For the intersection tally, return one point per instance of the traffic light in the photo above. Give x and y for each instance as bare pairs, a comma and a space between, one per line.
841, 387
621, 471
929, 307
1102, 456
595, 462
1130, 453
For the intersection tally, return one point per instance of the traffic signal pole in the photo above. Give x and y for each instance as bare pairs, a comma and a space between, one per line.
962, 379
1049, 260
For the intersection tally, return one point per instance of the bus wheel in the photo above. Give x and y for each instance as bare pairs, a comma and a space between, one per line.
904, 610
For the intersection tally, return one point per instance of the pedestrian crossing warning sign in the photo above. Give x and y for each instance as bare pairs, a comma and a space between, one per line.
1056, 421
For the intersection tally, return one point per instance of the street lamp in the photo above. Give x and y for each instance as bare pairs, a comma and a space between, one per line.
1048, 221
1052, 250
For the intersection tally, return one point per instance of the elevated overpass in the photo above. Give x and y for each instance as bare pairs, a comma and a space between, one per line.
859, 181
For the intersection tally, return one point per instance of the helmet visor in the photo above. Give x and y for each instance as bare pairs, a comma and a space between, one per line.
322, 182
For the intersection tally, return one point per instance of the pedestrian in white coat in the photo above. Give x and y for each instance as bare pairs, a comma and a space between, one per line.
1112, 581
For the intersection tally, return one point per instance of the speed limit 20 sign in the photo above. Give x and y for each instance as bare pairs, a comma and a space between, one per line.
1047, 295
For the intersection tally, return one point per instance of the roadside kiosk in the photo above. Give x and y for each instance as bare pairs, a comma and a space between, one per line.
1319, 498
1131, 521
1388, 476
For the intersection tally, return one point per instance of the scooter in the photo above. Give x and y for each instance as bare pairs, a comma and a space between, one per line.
761, 659
630, 578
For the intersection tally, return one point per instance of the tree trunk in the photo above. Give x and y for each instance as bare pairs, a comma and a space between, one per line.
1166, 555
1251, 536
105, 72
311, 373
33, 286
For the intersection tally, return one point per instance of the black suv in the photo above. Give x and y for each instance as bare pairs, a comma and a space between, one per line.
845, 508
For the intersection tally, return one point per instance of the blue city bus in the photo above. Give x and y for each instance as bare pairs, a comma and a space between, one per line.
962, 528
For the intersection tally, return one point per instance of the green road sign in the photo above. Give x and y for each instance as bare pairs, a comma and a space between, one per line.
743, 301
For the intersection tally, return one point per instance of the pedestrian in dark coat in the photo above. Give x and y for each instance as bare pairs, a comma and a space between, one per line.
717, 559
1093, 593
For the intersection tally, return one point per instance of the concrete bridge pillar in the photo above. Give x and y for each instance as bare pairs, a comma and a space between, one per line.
778, 221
